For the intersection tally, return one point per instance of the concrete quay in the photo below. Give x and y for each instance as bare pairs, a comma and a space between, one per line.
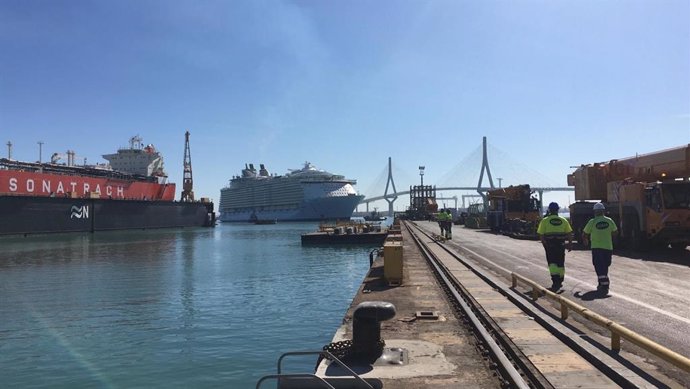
442, 353
649, 294
440, 350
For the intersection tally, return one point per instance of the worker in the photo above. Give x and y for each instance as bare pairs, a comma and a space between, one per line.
553, 231
599, 231
449, 224
440, 218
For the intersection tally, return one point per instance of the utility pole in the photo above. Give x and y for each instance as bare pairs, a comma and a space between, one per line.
40, 156
187, 182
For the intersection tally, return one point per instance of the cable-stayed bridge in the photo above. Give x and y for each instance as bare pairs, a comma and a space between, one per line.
391, 194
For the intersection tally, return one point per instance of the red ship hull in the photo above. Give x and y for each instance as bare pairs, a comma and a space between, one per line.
23, 183
48, 198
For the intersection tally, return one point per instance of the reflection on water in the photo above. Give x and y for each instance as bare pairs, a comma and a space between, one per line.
168, 308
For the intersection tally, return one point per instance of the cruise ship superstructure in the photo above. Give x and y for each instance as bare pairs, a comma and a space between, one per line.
300, 195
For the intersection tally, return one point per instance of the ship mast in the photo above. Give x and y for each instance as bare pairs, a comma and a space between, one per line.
187, 183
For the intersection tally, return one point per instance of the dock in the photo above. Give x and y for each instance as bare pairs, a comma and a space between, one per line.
424, 325
425, 316
346, 233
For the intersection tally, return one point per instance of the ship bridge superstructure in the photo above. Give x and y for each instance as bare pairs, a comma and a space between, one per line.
138, 159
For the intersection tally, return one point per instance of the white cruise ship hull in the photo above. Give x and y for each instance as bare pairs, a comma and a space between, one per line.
324, 208
301, 195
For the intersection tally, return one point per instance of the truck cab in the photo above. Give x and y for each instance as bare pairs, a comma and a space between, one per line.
667, 213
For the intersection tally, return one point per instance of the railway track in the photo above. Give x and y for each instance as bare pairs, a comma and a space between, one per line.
500, 317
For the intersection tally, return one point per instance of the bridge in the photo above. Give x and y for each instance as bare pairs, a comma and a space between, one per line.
390, 194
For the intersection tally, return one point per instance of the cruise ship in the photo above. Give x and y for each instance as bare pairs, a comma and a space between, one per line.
305, 194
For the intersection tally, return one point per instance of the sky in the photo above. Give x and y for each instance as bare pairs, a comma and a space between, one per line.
347, 84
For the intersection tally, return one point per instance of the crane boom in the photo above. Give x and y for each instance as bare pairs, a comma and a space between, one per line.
187, 181
664, 164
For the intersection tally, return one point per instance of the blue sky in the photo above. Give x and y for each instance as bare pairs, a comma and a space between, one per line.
345, 84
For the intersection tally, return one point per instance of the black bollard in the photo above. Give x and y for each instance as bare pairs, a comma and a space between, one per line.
366, 329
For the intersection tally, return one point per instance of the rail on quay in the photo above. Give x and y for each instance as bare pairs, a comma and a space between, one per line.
478, 313
506, 365
617, 331
615, 368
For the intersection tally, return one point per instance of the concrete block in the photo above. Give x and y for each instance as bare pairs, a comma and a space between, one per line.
393, 262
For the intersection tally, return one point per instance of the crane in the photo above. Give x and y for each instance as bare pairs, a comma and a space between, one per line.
454, 198
648, 196
187, 182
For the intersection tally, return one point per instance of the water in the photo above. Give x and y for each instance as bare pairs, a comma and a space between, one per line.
169, 308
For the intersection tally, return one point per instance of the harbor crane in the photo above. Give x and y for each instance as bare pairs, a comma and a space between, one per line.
454, 198
187, 182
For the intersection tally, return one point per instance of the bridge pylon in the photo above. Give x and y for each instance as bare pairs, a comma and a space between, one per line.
485, 167
389, 183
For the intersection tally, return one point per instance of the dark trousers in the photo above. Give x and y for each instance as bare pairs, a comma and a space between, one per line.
448, 225
555, 257
601, 259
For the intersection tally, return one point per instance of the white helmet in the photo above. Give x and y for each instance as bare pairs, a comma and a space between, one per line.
599, 207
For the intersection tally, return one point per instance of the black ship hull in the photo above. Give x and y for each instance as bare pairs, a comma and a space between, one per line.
39, 215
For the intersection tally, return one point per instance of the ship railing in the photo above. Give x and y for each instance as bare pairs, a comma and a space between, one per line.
7, 164
285, 378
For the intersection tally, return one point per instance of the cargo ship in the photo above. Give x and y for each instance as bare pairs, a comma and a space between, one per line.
129, 192
306, 194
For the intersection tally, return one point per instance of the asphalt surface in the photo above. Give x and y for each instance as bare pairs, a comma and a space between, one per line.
649, 293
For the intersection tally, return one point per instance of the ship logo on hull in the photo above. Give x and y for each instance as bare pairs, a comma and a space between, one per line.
80, 212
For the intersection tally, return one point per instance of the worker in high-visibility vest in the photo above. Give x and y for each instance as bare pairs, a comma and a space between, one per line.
449, 224
440, 218
553, 231
599, 231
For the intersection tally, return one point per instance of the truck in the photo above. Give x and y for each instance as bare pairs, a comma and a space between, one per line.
514, 211
648, 196
476, 217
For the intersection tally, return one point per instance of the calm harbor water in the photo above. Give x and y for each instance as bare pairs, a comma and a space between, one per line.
186, 308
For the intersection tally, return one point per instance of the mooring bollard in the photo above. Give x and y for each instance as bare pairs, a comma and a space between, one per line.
366, 328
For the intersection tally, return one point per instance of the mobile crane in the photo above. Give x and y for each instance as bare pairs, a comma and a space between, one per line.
648, 196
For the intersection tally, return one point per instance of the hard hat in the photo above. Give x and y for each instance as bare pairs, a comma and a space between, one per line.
554, 207
599, 207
